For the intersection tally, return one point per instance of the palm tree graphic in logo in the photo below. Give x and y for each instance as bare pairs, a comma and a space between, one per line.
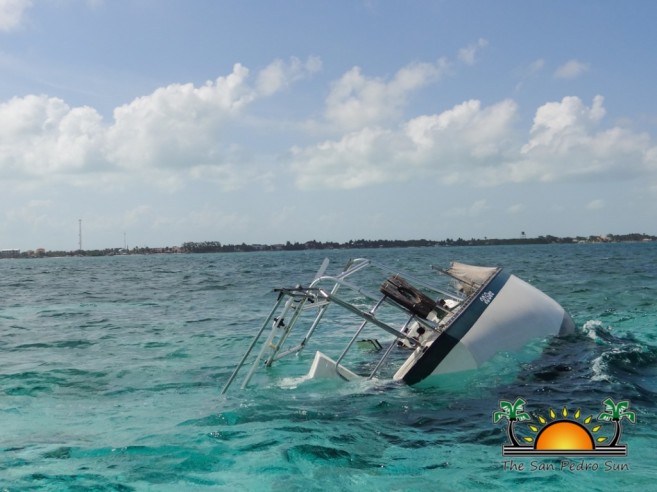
563, 435
513, 412
615, 413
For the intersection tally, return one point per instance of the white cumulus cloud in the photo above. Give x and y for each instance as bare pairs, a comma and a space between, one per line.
174, 133
42, 135
445, 146
469, 54
567, 118
470, 143
356, 101
11, 13
280, 74
566, 142
571, 69
177, 125
188, 132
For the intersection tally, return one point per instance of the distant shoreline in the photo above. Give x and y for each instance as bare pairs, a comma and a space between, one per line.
217, 247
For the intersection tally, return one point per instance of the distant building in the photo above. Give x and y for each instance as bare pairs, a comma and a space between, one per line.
10, 253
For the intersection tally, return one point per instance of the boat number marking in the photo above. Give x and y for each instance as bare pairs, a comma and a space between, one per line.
487, 297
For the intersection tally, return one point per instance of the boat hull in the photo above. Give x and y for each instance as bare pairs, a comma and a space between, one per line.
503, 315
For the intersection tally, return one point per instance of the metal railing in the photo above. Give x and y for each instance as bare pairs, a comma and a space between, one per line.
292, 301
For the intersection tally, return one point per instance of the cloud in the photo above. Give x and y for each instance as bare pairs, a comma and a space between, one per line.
515, 208
11, 13
280, 74
566, 143
178, 126
477, 208
468, 55
33, 213
356, 101
478, 145
181, 126
595, 205
468, 211
528, 72
175, 133
536, 66
233, 176
567, 118
438, 146
571, 70
651, 158
203, 220
185, 132
42, 135
136, 215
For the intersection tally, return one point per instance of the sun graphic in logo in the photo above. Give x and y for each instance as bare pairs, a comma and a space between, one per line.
563, 434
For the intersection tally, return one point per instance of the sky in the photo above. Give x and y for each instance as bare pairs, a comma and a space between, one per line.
157, 122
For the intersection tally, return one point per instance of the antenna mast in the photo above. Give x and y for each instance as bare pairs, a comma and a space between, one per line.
80, 234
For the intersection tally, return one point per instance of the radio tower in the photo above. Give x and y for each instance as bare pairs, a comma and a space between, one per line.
80, 234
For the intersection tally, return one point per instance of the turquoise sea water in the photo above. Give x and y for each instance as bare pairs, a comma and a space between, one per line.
111, 369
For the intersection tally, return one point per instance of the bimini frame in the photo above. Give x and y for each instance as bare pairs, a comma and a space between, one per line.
291, 302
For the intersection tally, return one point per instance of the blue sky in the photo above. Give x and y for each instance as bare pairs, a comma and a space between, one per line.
163, 121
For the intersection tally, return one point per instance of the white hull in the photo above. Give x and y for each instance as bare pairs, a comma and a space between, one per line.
504, 315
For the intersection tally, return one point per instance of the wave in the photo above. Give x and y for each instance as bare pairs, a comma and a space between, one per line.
61, 344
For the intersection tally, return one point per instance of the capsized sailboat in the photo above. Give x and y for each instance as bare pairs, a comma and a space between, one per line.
456, 323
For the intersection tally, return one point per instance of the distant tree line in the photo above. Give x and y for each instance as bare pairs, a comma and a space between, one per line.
101, 252
217, 247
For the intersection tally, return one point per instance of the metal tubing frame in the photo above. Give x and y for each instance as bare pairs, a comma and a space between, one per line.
351, 268
253, 343
311, 330
389, 349
296, 307
249, 375
353, 339
365, 315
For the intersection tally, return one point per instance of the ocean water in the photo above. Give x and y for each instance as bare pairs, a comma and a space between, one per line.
111, 371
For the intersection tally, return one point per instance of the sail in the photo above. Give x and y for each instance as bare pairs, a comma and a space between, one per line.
470, 276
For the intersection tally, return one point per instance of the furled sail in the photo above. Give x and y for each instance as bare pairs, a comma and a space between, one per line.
470, 277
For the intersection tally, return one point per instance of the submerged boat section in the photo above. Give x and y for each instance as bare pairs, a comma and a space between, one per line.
456, 322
